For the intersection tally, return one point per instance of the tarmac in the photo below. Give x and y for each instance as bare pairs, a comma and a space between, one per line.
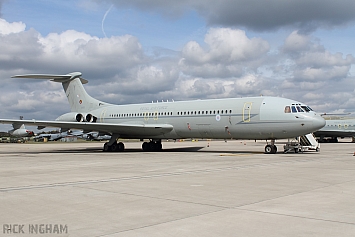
204, 188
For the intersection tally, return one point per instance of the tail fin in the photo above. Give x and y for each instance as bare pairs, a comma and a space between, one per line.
79, 99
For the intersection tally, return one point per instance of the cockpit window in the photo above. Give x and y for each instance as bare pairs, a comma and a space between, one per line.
294, 109
299, 109
306, 108
287, 109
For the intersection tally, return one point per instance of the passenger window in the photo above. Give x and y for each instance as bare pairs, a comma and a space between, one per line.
287, 109
294, 109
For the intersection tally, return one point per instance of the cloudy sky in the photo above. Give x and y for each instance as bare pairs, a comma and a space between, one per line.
134, 51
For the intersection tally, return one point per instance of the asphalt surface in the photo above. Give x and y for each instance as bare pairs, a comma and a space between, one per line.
204, 188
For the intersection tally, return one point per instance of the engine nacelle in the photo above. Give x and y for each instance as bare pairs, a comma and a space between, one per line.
71, 117
77, 117
90, 118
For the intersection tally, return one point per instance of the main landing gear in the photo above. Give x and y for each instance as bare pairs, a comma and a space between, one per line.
114, 146
153, 145
271, 148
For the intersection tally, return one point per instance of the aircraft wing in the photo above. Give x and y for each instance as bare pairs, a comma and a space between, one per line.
124, 129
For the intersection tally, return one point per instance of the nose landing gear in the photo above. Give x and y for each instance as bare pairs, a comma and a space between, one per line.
271, 148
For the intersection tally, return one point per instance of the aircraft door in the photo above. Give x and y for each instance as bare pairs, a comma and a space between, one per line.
102, 116
247, 111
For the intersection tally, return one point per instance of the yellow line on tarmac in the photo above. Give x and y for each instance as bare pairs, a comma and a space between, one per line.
234, 154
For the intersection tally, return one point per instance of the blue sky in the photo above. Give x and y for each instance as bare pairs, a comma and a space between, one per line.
138, 51
153, 29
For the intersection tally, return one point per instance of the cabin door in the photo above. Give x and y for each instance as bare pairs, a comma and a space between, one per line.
246, 111
102, 116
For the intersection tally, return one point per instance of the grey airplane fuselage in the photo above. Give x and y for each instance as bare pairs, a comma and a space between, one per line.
337, 128
233, 118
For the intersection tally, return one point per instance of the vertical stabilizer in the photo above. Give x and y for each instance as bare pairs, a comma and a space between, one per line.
79, 99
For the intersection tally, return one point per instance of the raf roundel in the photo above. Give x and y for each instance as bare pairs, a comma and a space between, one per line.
218, 117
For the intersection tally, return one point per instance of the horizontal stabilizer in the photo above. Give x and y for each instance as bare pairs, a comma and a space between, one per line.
55, 78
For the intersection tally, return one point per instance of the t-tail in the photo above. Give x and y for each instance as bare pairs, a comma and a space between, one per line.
80, 102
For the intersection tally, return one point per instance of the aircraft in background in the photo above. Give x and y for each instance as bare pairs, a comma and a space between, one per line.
95, 136
57, 136
19, 130
50, 136
268, 118
335, 128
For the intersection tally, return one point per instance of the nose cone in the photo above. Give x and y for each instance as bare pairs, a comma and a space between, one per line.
318, 122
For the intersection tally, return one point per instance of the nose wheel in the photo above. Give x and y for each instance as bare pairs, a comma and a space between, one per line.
270, 149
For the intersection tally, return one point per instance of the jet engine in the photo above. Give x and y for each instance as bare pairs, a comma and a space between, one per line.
77, 117
71, 117
90, 118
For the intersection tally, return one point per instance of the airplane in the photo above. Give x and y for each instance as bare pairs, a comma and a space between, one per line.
19, 130
336, 128
58, 135
50, 136
95, 136
255, 118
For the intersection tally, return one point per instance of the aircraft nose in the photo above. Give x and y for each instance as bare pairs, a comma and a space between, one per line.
318, 122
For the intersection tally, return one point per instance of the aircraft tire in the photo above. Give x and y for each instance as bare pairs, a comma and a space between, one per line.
107, 148
145, 146
120, 146
156, 146
268, 149
114, 147
152, 146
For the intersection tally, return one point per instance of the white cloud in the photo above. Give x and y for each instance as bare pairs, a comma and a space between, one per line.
225, 45
247, 85
227, 64
227, 53
296, 42
8, 28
